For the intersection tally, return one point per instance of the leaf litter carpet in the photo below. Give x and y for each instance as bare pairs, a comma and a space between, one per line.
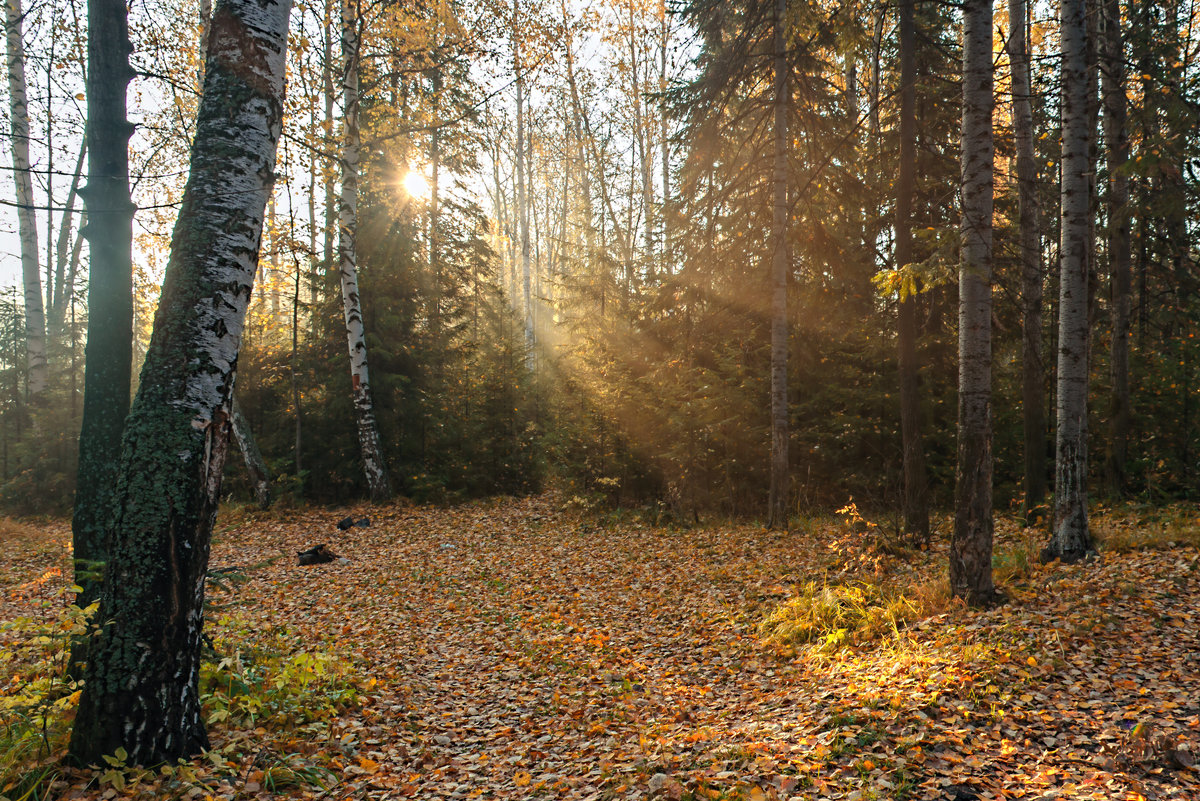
506, 650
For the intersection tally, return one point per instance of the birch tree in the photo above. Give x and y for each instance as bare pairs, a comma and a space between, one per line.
141, 681
971, 541
370, 446
1070, 540
18, 105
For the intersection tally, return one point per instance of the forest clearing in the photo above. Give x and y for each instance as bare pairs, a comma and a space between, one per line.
509, 649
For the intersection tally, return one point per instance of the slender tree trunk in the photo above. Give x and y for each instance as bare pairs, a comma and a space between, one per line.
1033, 373
435, 157
108, 355
369, 443
1071, 540
260, 476
971, 542
61, 297
141, 682
664, 140
331, 202
35, 317
916, 503
522, 199
777, 517
1116, 138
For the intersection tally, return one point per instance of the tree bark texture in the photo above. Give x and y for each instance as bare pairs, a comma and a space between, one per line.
1070, 539
108, 355
916, 503
141, 683
18, 105
971, 541
777, 517
1116, 136
374, 466
260, 476
1033, 371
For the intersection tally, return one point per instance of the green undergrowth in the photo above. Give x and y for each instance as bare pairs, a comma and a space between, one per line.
251, 681
264, 679
37, 700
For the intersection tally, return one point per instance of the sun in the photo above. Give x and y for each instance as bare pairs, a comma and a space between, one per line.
415, 185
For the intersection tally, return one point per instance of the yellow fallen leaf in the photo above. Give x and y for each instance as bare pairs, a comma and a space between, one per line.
522, 778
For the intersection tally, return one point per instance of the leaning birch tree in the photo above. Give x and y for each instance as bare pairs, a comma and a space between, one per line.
141, 681
1070, 540
370, 446
18, 109
971, 540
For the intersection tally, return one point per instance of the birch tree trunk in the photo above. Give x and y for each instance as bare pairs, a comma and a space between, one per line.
1071, 540
141, 682
971, 541
1116, 137
35, 316
916, 503
108, 355
374, 466
777, 517
1033, 372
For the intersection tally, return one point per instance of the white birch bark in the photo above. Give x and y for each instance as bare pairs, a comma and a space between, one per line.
369, 443
1071, 540
971, 541
35, 317
141, 681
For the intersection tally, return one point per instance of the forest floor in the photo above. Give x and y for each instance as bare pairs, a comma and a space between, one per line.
509, 649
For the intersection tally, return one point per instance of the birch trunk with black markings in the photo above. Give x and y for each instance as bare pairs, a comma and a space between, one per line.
141, 681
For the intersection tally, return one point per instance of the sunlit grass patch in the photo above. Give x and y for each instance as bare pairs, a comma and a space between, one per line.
832, 616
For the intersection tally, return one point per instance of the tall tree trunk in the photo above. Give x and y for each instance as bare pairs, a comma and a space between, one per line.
522, 199
777, 517
256, 467
916, 503
374, 466
1071, 540
1116, 138
35, 317
664, 140
971, 542
1033, 373
331, 202
435, 157
108, 355
141, 682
